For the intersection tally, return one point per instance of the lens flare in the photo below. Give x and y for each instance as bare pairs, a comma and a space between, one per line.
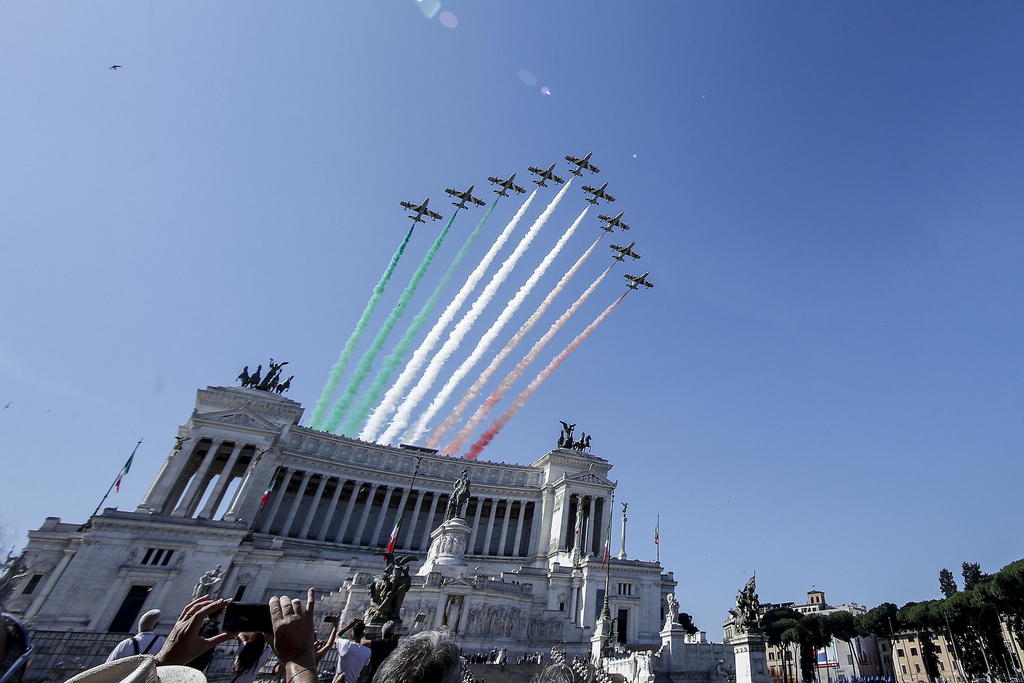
526, 77
448, 19
429, 7
545, 89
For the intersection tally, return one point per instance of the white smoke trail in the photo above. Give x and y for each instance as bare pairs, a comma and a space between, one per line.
387, 405
492, 333
474, 390
461, 329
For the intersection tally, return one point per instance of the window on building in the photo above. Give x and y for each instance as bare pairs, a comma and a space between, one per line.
913, 652
900, 653
917, 668
32, 583
561, 607
771, 655
849, 660
157, 557
239, 592
124, 620
903, 667
625, 589
938, 648
942, 667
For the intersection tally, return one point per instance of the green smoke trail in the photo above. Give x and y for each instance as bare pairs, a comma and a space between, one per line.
397, 355
338, 369
366, 362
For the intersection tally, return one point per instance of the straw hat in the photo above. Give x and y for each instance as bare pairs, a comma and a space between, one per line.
138, 669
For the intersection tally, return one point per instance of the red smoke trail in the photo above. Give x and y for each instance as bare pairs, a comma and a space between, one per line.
477, 448
435, 438
506, 384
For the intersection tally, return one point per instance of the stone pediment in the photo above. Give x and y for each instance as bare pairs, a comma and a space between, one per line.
589, 477
239, 418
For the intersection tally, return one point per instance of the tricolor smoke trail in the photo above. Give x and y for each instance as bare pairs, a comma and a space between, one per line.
419, 356
366, 361
338, 369
462, 328
477, 448
510, 379
397, 355
474, 390
492, 333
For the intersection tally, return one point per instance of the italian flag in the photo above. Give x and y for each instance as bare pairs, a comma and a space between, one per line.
124, 471
265, 497
390, 547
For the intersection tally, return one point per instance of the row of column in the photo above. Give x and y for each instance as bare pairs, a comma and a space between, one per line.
326, 508
593, 512
206, 469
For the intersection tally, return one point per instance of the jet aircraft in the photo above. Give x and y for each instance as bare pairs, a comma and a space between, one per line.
613, 222
545, 174
598, 193
464, 197
637, 280
582, 164
420, 210
505, 185
625, 251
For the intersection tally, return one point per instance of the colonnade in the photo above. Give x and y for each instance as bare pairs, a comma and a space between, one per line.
593, 512
321, 507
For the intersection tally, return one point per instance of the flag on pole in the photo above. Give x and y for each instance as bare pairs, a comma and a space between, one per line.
124, 471
657, 525
390, 548
265, 497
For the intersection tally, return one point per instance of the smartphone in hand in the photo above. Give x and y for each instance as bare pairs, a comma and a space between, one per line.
253, 617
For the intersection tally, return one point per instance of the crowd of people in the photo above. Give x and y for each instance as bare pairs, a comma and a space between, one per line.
183, 655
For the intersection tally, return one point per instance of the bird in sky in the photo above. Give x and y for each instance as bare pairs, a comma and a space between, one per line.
115, 67
8, 405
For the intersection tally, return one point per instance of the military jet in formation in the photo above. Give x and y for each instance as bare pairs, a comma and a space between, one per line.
582, 164
613, 222
466, 196
635, 281
505, 185
625, 251
545, 174
598, 193
420, 211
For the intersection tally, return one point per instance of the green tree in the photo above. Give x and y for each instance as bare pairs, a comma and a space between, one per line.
947, 584
686, 621
972, 574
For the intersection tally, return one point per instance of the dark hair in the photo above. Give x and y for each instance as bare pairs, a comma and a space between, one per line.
358, 630
249, 654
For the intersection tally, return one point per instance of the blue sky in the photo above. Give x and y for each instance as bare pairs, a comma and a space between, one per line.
825, 386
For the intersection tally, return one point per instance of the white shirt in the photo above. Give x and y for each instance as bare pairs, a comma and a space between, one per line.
144, 640
352, 657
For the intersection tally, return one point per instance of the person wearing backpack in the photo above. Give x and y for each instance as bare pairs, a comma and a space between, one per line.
145, 642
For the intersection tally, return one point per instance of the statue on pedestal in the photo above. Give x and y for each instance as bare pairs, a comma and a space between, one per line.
209, 584
460, 494
672, 616
746, 615
388, 590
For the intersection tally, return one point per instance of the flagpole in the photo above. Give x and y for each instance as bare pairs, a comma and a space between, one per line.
657, 540
270, 487
412, 484
120, 472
